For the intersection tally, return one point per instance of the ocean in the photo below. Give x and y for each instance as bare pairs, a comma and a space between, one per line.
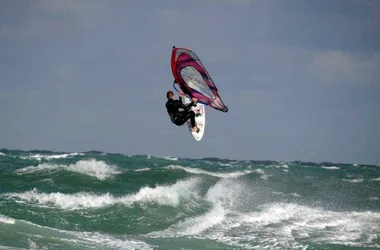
97, 200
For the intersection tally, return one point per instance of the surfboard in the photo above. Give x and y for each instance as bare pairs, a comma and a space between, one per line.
199, 120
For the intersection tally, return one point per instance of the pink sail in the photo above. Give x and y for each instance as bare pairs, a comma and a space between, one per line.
193, 78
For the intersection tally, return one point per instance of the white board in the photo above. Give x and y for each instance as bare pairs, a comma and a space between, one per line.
200, 120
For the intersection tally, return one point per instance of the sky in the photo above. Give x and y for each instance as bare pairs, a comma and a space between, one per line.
301, 78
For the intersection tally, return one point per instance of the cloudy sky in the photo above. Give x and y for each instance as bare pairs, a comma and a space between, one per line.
301, 78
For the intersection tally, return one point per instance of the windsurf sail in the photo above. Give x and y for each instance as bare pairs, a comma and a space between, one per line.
193, 78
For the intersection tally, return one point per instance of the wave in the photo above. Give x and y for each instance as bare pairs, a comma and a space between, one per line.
375, 179
6, 220
221, 203
280, 225
51, 238
331, 168
143, 169
215, 174
273, 225
194, 226
297, 221
161, 194
282, 165
169, 158
358, 180
39, 157
223, 196
94, 168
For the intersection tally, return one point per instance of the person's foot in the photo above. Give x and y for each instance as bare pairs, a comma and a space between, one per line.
195, 129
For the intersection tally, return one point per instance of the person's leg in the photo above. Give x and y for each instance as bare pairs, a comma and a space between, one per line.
192, 119
189, 115
180, 119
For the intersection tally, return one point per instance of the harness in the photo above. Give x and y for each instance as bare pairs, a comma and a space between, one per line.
172, 117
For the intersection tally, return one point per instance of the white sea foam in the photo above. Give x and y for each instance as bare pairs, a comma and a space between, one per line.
196, 225
215, 174
283, 224
375, 179
291, 222
6, 220
357, 180
105, 240
170, 158
162, 195
65, 201
278, 193
225, 164
94, 168
227, 192
38, 239
49, 157
331, 168
142, 169
263, 176
166, 195
282, 165
2, 154
221, 196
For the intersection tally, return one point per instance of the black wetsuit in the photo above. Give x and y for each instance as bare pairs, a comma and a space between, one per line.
177, 116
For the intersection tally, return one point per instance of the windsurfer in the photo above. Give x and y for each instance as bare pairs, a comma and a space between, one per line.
177, 116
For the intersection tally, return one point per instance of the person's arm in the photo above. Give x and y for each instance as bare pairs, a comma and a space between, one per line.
188, 106
178, 104
180, 94
191, 104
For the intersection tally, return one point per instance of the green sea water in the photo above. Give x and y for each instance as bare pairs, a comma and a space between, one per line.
95, 200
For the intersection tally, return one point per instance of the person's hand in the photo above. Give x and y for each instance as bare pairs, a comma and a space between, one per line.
194, 99
181, 94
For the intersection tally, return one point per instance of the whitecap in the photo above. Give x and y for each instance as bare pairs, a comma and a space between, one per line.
94, 168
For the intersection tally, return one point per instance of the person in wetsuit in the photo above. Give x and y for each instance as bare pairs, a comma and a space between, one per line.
177, 116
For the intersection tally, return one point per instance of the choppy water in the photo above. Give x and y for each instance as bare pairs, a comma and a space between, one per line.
94, 200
